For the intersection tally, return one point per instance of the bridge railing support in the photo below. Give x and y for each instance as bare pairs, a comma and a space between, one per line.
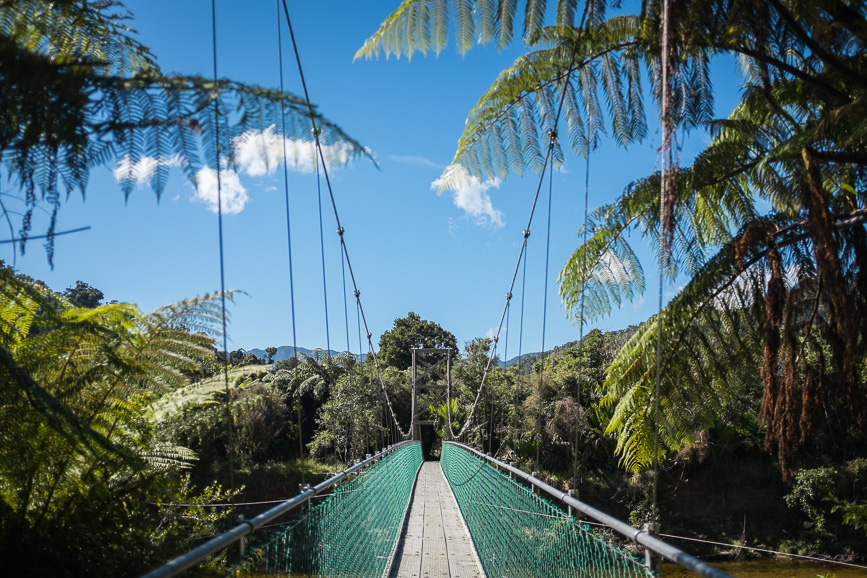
643, 537
245, 527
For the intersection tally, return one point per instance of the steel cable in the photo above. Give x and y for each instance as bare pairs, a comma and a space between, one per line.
286, 185
217, 152
340, 229
526, 233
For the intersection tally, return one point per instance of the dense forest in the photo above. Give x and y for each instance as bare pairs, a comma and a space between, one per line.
119, 438
122, 430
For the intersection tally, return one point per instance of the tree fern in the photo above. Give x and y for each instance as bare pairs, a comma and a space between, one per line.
795, 141
475, 21
76, 419
80, 91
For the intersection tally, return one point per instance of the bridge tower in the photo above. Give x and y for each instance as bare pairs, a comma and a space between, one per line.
431, 369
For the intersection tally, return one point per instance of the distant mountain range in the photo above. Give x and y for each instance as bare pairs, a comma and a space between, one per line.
287, 351
525, 361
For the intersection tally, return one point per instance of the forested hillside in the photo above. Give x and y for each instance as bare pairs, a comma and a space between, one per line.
296, 419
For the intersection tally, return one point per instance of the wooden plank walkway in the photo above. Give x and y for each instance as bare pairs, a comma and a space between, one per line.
434, 541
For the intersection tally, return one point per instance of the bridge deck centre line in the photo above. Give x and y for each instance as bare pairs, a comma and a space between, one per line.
434, 542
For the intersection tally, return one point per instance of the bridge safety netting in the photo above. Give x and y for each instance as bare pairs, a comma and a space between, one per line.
353, 532
517, 533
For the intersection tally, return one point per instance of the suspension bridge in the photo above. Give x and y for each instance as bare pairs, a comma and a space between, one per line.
464, 514
468, 514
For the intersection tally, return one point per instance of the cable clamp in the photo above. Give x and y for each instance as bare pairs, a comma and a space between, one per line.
316, 131
369, 335
526, 233
553, 134
340, 231
509, 296
357, 293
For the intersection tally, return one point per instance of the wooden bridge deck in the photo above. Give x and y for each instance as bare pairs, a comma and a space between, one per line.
434, 541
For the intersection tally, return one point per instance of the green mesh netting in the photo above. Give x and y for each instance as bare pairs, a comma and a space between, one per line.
353, 533
517, 533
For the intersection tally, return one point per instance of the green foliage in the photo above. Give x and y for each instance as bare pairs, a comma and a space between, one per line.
350, 421
442, 412
809, 490
425, 24
80, 459
395, 345
270, 352
189, 516
83, 295
854, 513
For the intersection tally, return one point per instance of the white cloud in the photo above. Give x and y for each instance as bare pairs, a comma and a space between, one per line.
257, 153
471, 195
413, 160
260, 153
491, 333
233, 195
142, 170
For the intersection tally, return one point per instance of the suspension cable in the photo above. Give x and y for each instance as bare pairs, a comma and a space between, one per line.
358, 322
523, 294
553, 141
581, 306
545, 303
345, 306
340, 229
11, 233
506, 344
322, 246
286, 184
526, 234
217, 152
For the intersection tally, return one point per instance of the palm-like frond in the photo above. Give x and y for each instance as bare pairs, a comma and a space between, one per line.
422, 25
714, 330
78, 388
796, 142
81, 91
709, 362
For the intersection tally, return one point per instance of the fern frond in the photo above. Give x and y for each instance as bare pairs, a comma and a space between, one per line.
475, 21
538, 78
87, 92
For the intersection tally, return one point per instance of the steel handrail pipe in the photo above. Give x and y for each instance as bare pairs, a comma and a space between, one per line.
223, 541
642, 537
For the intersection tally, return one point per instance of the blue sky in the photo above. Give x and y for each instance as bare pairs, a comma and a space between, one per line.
447, 257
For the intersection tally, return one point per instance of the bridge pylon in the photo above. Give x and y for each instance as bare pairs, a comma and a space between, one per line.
431, 369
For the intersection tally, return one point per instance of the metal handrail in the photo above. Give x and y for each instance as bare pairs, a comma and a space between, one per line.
642, 537
223, 541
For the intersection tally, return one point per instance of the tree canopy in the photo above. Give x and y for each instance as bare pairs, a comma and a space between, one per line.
396, 344
83, 295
